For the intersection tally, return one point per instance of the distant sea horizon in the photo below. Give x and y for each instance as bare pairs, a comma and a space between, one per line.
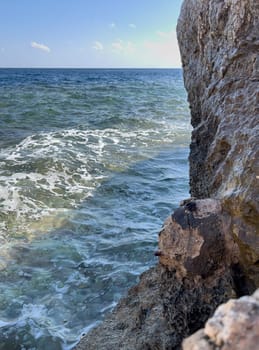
115, 68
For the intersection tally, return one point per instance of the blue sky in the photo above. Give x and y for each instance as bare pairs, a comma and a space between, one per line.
89, 33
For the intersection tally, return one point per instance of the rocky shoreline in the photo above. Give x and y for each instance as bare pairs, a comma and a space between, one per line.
209, 247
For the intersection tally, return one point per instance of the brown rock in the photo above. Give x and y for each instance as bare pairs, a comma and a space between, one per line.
195, 240
219, 45
234, 326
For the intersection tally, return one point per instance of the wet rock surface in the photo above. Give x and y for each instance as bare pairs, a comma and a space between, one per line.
219, 45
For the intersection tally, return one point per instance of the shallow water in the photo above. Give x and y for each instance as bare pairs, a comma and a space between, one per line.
91, 163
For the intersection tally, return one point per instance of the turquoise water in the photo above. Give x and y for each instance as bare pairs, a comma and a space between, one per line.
91, 163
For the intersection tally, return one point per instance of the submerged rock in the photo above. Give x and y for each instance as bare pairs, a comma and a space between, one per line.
234, 326
219, 46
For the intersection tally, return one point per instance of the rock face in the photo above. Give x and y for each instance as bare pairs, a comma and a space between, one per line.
219, 44
234, 326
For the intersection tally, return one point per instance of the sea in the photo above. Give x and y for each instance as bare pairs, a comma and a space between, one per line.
92, 161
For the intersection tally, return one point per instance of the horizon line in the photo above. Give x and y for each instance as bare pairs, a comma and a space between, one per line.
71, 67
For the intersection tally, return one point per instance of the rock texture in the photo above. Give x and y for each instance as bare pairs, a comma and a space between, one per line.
196, 273
234, 326
219, 44
195, 240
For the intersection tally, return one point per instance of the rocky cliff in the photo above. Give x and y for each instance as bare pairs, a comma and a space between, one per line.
209, 247
219, 44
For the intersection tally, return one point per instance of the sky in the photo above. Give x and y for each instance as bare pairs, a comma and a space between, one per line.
89, 33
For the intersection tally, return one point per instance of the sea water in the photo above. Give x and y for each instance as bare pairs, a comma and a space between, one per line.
91, 163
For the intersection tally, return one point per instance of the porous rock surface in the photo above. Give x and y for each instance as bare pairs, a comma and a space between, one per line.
219, 45
234, 326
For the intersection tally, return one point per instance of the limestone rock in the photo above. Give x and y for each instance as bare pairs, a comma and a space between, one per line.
234, 326
219, 45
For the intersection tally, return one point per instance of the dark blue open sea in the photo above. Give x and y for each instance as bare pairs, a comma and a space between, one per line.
91, 163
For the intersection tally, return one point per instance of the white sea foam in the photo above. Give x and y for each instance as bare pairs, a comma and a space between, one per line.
60, 169
36, 316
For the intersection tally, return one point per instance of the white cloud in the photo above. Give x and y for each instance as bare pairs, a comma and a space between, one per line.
122, 47
112, 25
98, 46
40, 46
132, 25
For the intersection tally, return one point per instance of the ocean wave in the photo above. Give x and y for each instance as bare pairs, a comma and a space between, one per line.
58, 170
